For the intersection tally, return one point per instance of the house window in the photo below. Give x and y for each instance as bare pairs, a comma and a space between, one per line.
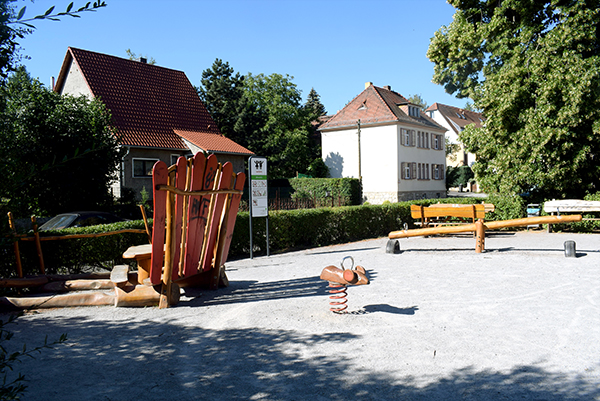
437, 171
437, 141
405, 137
174, 159
405, 170
414, 111
143, 167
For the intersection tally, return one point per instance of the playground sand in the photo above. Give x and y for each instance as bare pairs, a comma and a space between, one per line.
438, 322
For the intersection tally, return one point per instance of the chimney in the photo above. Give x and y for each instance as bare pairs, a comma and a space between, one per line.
367, 84
143, 60
388, 87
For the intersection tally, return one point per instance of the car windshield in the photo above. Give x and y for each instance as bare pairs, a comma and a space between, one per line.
58, 222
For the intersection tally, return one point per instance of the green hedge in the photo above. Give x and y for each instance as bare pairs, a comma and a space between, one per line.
347, 190
73, 255
288, 230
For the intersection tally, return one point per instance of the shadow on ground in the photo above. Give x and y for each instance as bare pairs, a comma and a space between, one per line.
168, 360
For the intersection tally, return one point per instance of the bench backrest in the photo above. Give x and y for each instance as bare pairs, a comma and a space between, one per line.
476, 211
195, 205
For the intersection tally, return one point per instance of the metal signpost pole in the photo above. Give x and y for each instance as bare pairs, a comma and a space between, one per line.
258, 194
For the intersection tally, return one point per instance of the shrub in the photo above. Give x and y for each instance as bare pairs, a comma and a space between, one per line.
347, 190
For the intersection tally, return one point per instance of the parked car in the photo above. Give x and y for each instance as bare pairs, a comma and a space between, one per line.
79, 219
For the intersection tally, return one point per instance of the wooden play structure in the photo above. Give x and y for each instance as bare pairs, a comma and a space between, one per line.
449, 214
479, 228
195, 207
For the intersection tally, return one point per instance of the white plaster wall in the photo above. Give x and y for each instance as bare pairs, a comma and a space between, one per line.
452, 135
339, 150
379, 155
75, 83
414, 154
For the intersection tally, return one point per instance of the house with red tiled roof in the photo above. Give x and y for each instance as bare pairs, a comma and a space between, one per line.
386, 141
156, 112
456, 120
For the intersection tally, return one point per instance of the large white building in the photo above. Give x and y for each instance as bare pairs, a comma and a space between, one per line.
395, 149
456, 120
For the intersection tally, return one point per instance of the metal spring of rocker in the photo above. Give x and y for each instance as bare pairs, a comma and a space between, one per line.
338, 298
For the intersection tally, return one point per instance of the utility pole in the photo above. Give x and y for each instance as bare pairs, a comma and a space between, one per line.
359, 159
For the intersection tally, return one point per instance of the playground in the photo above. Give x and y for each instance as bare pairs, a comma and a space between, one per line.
519, 321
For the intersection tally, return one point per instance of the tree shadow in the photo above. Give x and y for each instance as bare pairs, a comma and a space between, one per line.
244, 291
157, 360
335, 162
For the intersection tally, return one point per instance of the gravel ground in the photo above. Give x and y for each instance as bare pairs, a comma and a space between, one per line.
437, 322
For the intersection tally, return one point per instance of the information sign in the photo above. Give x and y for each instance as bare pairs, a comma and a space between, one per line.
259, 193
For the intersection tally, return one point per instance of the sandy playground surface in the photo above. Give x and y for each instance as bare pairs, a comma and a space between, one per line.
438, 322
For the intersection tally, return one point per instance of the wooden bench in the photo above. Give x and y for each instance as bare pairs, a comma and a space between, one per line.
556, 207
441, 213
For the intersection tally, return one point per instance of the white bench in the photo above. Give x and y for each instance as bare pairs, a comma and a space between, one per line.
570, 206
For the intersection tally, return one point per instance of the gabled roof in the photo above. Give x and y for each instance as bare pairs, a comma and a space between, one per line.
377, 105
147, 102
458, 117
212, 143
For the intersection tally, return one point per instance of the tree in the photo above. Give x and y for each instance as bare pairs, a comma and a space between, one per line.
533, 68
223, 95
13, 26
418, 100
287, 128
138, 57
59, 152
263, 113
313, 104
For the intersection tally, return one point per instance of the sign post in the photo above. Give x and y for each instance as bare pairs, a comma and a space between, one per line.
258, 194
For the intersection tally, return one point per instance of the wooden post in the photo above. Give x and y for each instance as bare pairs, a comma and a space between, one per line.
11, 223
165, 295
38, 244
480, 234
146, 223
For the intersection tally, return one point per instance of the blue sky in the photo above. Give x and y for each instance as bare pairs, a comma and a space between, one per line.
334, 46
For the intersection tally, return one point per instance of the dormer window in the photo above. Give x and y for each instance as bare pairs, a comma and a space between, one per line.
363, 106
414, 111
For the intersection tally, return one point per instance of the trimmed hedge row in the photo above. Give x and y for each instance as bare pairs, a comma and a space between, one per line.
308, 228
73, 255
288, 229
347, 190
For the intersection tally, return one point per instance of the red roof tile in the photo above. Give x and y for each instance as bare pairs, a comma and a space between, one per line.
213, 143
376, 105
460, 117
147, 102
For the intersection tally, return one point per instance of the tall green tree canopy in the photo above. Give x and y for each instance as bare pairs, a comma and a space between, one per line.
265, 114
222, 92
58, 152
533, 68
314, 105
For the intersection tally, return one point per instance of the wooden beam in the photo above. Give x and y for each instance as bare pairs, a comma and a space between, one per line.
489, 225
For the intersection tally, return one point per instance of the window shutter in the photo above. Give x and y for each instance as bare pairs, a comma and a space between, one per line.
433, 171
412, 137
413, 172
403, 170
442, 171
426, 137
